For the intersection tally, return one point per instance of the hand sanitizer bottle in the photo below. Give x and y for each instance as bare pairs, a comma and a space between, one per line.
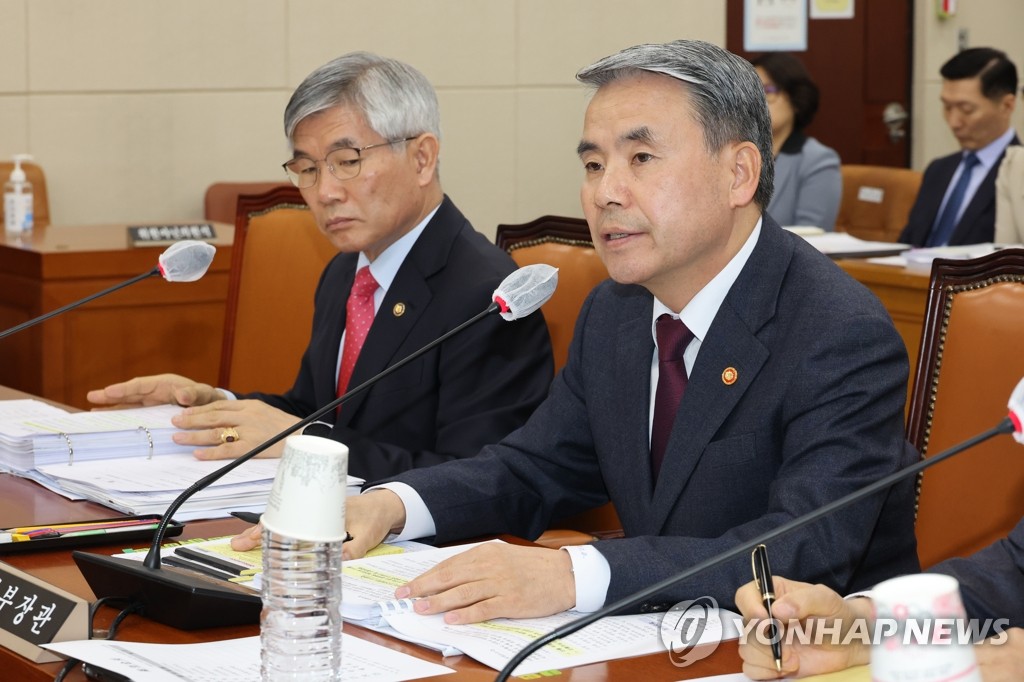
18, 199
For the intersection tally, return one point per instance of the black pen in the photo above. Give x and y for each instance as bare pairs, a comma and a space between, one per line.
763, 579
252, 517
248, 517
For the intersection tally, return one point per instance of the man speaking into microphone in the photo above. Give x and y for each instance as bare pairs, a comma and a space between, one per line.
729, 379
365, 138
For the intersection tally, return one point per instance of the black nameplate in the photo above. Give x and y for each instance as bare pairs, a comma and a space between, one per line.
32, 612
164, 235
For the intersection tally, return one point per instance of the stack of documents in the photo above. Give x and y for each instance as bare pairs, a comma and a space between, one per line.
368, 600
368, 588
125, 459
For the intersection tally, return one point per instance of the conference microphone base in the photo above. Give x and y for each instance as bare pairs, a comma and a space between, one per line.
172, 596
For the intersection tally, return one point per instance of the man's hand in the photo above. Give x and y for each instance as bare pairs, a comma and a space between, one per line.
250, 538
495, 581
1002, 662
797, 601
369, 518
161, 389
252, 420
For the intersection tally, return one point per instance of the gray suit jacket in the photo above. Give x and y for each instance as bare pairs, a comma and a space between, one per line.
816, 412
808, 184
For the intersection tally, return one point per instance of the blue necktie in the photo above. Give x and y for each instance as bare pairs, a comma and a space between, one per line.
943, 230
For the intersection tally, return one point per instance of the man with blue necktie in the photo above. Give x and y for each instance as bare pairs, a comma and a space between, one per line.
956, 202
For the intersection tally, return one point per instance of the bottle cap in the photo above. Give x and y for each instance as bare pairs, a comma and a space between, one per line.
17, 173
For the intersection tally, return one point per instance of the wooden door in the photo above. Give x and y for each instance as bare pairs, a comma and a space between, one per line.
861, 65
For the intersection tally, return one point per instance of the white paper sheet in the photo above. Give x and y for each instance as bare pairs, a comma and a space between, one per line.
236, 660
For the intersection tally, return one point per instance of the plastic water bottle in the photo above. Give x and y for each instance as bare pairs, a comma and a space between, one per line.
300, 628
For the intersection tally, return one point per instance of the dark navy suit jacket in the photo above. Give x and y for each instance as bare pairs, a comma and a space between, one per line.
470, 391
816, 412
992, 580
977, 223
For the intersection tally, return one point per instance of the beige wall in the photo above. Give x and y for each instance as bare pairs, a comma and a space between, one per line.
133, 107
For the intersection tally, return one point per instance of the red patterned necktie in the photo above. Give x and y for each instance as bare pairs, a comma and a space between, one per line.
358, 318
673, 338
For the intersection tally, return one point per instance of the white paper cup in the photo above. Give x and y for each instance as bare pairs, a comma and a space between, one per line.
307, 501
921, 631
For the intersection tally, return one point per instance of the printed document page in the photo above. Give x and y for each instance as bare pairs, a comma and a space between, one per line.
236, 660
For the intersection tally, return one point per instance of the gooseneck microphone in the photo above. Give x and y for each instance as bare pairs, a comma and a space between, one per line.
1011, 424
187, 600
185, 261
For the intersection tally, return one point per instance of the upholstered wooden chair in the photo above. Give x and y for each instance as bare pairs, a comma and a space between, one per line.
969, 363
40, 199
277, 258
876, 201
220, 202
564, 243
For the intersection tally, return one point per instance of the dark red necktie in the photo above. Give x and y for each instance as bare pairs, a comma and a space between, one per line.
673, 338
358, 318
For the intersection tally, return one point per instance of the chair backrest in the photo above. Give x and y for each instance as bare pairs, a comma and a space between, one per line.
276, 262
876, 201
40, 200
969, 363
220, 202
564, 243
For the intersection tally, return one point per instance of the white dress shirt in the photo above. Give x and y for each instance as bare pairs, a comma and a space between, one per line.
591, 571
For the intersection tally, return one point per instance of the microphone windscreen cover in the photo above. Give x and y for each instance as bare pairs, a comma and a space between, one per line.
525, 290
1016, 406
186, 261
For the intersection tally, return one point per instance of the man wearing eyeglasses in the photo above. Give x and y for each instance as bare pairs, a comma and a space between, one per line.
365, 138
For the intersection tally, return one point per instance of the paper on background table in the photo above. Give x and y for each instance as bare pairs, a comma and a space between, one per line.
236, 660
922, 258
840, 243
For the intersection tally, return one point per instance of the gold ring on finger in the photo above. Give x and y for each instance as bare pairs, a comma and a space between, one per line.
228, 435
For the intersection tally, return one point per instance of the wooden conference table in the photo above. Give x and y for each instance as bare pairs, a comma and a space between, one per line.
23, 502
150, 326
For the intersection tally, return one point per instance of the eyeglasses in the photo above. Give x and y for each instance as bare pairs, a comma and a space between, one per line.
343, 163
771, 92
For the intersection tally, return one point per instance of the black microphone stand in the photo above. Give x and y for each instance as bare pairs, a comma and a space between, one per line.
72, 306
190, 601
1005, 426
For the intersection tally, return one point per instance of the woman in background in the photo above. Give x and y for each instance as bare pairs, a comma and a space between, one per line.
808, 184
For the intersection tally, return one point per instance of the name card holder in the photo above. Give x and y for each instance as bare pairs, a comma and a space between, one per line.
33, 612
165, 235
